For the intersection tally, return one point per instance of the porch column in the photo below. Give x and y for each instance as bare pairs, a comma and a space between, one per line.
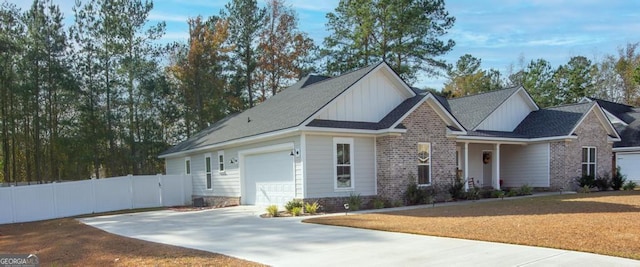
496, 181
465, 173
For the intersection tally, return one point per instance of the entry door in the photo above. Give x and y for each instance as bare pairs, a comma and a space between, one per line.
487, 167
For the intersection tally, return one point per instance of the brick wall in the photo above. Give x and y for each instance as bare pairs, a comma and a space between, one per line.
218, 201
397, 159
566, 156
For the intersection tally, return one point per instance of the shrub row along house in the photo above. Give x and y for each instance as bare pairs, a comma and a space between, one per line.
367, 132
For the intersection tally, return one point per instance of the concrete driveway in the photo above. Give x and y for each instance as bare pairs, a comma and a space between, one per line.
239, 232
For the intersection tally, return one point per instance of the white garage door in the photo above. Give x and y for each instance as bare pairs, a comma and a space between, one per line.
268, 178
629, 165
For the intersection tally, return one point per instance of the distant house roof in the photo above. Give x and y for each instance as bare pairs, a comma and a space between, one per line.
472, 110
630, 133
288, 109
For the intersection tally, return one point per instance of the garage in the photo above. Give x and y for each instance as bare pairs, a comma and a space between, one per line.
629, 164
268, 178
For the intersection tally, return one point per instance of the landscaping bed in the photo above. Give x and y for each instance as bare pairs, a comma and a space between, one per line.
604, 222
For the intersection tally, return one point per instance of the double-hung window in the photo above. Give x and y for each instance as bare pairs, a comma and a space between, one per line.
187, 166
424, 163
207, 168
221, 161
589, 161
343, 153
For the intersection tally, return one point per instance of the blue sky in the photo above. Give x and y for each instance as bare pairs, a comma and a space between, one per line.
500, 32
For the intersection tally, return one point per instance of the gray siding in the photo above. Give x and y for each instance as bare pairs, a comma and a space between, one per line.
320, 167
525, 165
227, 183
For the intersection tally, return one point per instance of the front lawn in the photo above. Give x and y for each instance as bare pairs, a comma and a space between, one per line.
67, 242
604, 223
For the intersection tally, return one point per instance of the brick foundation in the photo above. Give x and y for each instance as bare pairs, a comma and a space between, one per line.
218, 201
336, 204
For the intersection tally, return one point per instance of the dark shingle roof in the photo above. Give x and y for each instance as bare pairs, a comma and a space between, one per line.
472, 110
553, 121
630, 133
288, 109
621, 111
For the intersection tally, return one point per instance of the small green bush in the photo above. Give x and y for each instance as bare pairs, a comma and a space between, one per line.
630, 185
586, 180
296, 211
525, 189
272, 210
497, 194
618, 180
473, 193
456, 189
602, 182
355, 201
311, 208
585, 189
512, 192
378, 203
296, 203
414, 195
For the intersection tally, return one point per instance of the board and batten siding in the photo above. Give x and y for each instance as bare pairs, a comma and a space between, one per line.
320, 167
369, 100
508, 115
525, 165
227, 183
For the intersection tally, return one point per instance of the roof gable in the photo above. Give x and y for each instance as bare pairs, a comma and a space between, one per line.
474, 109
508, 115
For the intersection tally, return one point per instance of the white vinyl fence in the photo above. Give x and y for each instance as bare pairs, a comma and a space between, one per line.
57, 200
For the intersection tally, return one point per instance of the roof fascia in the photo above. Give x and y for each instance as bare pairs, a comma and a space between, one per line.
600, 114
440, 110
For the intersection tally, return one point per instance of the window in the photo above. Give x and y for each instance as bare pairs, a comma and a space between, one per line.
207, 168
589, 161
424, 163
343, 151
187, 166
221, 161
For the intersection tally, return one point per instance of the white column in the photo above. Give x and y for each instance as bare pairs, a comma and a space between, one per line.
496, 182
465, 173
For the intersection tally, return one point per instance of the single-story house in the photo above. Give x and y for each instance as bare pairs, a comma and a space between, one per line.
368, 133
626, 119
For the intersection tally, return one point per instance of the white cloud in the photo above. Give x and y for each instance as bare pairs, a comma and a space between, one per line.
161, 16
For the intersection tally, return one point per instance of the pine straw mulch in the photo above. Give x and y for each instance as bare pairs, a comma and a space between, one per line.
68, 242
603, 223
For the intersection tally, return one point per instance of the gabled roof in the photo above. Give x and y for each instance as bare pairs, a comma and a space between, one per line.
629, 133
621, 111
554, 121
472, 110
288, 109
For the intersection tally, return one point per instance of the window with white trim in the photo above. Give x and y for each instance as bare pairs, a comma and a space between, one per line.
187, 165
589, 161
424, 163
207, 169
343, 169
221, 161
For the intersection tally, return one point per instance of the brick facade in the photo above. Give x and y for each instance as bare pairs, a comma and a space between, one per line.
397, 159
566, 156
218, 201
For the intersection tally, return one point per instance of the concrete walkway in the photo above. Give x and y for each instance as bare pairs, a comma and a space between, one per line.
239, 232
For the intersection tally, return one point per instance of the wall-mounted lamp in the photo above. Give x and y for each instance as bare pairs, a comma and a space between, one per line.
295, 152
233, 160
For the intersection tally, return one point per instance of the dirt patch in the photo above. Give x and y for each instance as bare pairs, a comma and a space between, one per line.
604, 223
68, 242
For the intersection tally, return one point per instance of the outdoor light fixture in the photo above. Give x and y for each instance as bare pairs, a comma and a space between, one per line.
233, 160
346, 208
295, 152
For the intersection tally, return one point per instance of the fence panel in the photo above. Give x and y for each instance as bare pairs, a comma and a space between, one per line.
172, 190
146, 192
74, 198
6, 205
112, 194
33, 203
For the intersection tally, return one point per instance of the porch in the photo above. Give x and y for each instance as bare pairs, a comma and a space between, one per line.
493, 164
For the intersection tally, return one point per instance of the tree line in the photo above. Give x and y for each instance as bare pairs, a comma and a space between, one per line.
104, 96
614, 78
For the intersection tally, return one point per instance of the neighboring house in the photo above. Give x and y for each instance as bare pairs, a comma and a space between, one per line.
367, 133
626, 119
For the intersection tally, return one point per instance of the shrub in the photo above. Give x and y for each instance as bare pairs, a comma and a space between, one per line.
525, 189
618, 179
414, 195
602, 182
485, 193
456, 189
586, 180
355, 201
296, 203
512, 192
272, 210
311, 208
378, 203
497, 194
473, 193
630, 185
296, 211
